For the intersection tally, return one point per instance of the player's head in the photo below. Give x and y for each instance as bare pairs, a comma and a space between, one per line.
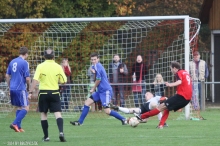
158, 78
94, 57
23, 52
48, 54
196, 56
148, 96
116, 58
139, 59
174, 66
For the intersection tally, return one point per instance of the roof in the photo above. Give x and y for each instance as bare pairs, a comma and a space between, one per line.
205, 11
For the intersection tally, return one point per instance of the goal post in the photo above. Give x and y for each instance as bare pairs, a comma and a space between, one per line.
159, 39
187, 57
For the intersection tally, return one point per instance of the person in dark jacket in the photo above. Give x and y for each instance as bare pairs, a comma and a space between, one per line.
136, 71
158, 86
117, 74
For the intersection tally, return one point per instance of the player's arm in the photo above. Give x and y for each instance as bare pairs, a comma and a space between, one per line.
97, 81
28, 81
162, 99
35, 80
27, 75
8, 76
178, 82
174, 84
33, 85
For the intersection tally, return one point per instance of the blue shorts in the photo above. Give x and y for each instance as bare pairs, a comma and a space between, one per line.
104, 97
19, 98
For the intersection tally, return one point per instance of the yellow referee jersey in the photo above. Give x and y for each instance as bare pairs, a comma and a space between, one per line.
49, 74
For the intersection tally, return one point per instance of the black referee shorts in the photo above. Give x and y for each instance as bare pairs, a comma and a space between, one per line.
176, 102
49, 99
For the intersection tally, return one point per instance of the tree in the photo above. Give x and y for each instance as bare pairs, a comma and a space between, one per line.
79, 8
156, 7
23, 8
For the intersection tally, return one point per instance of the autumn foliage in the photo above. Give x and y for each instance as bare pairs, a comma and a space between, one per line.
26, 34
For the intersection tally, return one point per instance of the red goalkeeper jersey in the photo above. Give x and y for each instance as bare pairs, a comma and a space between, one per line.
185, 88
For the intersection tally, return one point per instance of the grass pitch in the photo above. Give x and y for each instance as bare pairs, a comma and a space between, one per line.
104, 131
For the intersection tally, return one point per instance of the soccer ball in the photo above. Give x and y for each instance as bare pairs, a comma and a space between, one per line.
133, 122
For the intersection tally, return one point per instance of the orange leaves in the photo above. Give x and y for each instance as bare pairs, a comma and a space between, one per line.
156, 7
18, 35
143, 7
123, 7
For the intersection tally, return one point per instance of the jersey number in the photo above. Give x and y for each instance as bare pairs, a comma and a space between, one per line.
188, 79
14, 67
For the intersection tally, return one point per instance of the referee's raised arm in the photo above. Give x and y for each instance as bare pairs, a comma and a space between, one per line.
49, 74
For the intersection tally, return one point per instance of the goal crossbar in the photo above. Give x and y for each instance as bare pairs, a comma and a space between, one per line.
94, 19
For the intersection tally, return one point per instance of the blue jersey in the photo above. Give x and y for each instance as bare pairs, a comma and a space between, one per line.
101, 75
18, 68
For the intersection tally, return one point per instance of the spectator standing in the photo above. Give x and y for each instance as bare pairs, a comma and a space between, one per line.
198, 72
117, 74
139, 71
66, 89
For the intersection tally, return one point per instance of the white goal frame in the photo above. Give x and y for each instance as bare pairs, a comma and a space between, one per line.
186, 19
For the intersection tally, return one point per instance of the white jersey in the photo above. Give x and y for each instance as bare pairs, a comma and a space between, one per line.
147, 106
155, 99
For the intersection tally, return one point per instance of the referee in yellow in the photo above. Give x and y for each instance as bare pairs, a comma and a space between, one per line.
48, 74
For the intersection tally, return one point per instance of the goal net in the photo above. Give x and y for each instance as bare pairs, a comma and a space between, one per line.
159, 40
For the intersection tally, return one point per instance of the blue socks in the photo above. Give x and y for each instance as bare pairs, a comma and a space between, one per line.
116, 115
20, 114
84, 114
19, 122
86, 111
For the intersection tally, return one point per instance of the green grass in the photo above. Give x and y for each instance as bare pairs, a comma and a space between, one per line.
104, 131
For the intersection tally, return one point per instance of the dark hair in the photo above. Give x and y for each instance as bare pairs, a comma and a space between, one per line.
94, 55
175, 64
23, 50
49, 54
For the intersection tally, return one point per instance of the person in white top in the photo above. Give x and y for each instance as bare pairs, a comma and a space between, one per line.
151, 103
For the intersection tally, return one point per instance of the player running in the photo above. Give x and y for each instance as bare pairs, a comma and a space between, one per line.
104, 93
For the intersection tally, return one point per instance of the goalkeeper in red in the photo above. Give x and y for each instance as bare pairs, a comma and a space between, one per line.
179, 100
